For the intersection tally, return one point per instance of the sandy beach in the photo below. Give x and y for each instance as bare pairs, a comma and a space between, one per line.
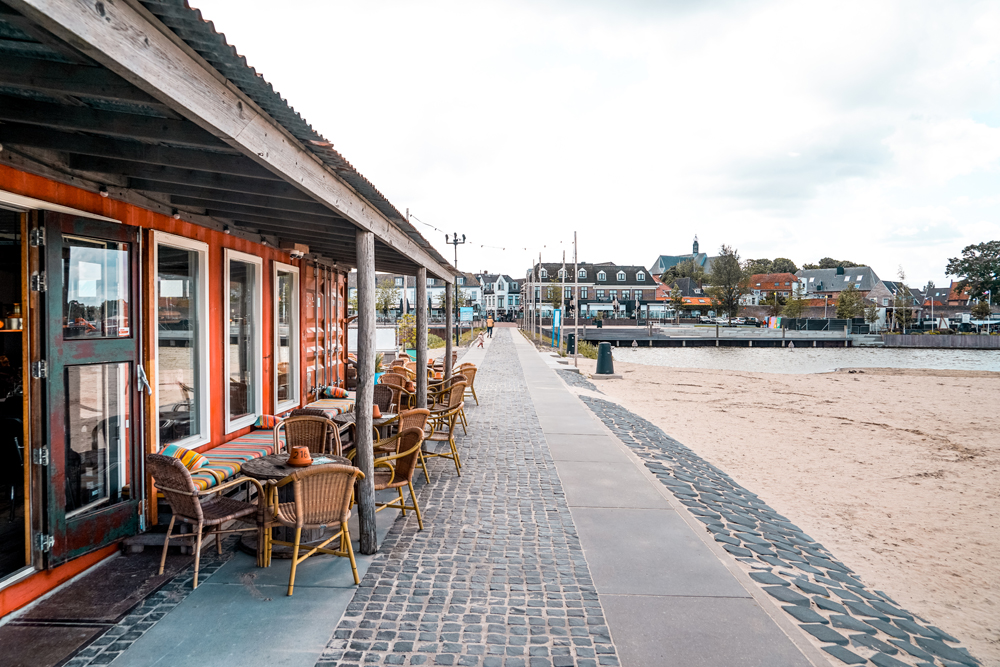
895, 471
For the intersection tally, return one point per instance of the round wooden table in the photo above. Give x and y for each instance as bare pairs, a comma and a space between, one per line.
275, 467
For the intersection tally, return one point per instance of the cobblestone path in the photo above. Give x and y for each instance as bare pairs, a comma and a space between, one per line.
824, 596
497, 577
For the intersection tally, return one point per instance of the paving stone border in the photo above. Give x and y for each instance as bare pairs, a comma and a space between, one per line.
119, 637
854, 624
498, 577
578, 380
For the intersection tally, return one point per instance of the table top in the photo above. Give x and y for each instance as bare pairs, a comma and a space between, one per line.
348, 418
274, 466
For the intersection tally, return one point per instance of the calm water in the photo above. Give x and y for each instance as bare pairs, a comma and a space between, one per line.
809, 360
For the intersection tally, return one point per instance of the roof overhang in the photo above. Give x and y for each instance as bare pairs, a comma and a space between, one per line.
109, 96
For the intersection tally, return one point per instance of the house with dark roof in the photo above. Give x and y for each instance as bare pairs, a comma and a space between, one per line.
608, 287
501, 294
827, 284
664, 262
763, 285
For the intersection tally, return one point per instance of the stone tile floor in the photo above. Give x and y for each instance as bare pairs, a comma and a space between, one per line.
855, 624
497, 577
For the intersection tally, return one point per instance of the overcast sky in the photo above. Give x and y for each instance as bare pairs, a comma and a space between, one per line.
867, 131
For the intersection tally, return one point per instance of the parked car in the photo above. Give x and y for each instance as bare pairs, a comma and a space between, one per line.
705, 319
753, 321
740, 320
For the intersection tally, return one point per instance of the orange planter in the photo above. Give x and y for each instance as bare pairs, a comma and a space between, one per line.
376, 412
300, 457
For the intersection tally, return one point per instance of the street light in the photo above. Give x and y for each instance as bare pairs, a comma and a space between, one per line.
455, 242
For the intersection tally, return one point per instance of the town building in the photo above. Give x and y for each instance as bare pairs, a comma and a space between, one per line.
501, 295
823, 286
764, 285
700, 259
176, 245
609, 288
406, 298
958, 297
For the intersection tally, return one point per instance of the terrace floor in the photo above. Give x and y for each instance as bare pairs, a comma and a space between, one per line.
569, 539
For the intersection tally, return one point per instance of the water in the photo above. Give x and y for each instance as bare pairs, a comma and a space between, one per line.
809, 360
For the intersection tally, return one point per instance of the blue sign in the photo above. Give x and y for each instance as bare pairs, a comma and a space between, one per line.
465, 314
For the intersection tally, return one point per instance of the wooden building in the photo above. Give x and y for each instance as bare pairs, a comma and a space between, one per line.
174, 245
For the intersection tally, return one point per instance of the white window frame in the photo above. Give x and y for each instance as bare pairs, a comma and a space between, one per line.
204, 435
542, 273
258, 350
294, 336
602, 277
640, 276
621, 276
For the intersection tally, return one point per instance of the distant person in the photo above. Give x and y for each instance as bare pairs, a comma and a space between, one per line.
480, 339
489, 327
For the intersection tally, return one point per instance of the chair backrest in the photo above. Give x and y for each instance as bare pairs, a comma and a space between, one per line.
322, 493
408, 440
415, 418
393, 380
171, 476
382, 396
470, 374
457, 395
306, 431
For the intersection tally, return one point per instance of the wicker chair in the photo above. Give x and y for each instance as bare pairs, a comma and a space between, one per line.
442, 423
469, 371
416, 418
396, 470
335, 443
402, 399
323, 496
202, 509
319, 434
441, 397
382, 397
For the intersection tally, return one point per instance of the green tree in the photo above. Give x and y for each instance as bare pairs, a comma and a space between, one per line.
677, 300
981, 310
850, 303
554, 294
978, 269
729, 281
406, 331
775, 304
795, 305
386, 296
830, 263
755, 266
783, 265
459, 299
871, 313
685, 269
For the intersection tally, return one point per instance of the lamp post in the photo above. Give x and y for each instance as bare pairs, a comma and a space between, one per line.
455, 242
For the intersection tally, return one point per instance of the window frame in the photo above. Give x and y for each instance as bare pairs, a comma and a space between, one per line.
640, 276
602, 277
621, 276
293, 335
204, 337
230, 256
542, 273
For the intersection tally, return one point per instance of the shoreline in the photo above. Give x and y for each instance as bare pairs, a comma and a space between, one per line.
891, 469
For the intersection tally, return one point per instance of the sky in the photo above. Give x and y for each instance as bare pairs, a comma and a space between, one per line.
864, 131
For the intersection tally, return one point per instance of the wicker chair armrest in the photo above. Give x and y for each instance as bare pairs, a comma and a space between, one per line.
384, 463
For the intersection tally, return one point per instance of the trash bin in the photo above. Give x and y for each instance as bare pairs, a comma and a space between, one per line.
570, 343
605, 363
600, 324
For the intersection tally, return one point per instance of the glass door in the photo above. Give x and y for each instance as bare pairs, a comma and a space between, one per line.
94, 475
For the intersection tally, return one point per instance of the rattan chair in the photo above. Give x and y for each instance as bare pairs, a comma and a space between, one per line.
442, 423
336, 445
469, 371
323, 496
415, 418
317, 433
201, 509
396, 470
402, 399
441, 396
382, 395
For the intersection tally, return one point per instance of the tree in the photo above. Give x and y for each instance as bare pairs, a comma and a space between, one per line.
386, 296
677, 300
850, 303
352, 302
729, 281
901, 302
796, 304
685, 269
981, 310
978, 269
406, 331
871, 313
759, 266
830, 263
459, 299
783, 265
554, 294
775, 303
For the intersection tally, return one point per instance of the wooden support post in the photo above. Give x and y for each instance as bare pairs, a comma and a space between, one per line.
448, 326
421, 333
364, 398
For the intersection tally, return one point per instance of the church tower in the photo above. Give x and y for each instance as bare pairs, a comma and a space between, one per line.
695, 247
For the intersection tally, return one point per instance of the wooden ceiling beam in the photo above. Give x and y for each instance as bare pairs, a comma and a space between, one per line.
241, 209
49, 76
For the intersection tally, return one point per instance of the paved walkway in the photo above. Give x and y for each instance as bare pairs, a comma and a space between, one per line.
576, 535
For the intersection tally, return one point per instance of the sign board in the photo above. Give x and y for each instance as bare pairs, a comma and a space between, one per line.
465, 314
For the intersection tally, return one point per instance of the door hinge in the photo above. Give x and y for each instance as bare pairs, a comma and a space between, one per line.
36, 237
39, 369
40, 456
38, 281
44, 542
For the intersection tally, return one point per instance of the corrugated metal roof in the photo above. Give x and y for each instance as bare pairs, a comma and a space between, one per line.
200, 34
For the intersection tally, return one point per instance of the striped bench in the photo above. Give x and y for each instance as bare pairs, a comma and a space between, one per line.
226, 460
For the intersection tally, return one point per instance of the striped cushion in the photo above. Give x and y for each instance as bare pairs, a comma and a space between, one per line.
334, 392
333, 406
266, 421
226, 460
192, 460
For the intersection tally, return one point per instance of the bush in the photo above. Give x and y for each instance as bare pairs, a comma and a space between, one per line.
588, 350
434, 342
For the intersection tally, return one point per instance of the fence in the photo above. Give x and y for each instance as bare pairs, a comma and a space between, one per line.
970, 342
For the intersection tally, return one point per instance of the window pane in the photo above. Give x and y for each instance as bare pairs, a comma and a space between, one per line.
241, 337
179, 380
96, 434
95, 288
285, 335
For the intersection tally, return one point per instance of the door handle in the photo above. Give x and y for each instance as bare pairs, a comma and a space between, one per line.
141, 381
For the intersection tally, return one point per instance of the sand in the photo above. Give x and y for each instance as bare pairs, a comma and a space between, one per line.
895, 471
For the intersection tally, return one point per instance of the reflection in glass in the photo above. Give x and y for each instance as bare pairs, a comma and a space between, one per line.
285, 325
95, 288
178, 372
96, 435
241, 333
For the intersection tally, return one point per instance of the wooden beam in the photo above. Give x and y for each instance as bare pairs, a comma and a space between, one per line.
201, 179
126, 167
215, 194
103, 122
18, 134
207, 198
421, 331
364, 397
448, 330
128, 41
49, 76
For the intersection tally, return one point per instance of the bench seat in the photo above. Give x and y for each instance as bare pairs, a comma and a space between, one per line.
226, 460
